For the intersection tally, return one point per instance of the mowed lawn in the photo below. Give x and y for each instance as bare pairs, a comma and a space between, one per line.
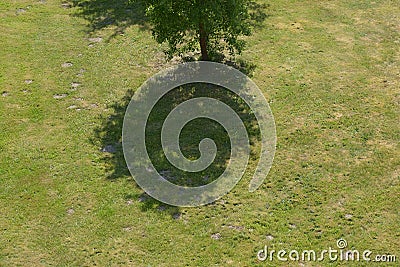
331, 73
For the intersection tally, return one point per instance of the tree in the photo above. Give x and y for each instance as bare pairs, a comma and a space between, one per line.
212, 25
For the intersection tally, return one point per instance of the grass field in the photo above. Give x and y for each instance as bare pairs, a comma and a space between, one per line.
330, 71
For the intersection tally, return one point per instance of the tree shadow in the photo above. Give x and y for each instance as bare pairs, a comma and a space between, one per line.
108, 136
119, 14
257, 13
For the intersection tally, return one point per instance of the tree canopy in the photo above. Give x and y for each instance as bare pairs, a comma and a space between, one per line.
211, 25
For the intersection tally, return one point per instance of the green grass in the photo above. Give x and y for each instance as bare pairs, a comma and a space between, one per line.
330, 71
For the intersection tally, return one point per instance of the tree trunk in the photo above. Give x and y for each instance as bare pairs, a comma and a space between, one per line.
203, 43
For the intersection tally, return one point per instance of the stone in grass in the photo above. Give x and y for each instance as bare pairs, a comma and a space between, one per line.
70, 211
67, 64
176, 216
206, 179
75, 85
20, 11
66, 5
161, 208
109, 149
59, 96
72, 107
216, 236
28, 81
236, 227
143, 197
4, 94
348, 216
127, 229
269, 237
95, 39
91, 106
167, 174
81, 72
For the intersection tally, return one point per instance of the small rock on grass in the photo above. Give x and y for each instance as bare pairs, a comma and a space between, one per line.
20, 11
176, 215
206, 178
75, 85
216, 236
95, 39
269, 237
235, 227
67, 64
161, 208
167, 174
143, 197
66, 5
28, 81
109, 149
72, 107
59, 96
348, 216
4, 94
81, 72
